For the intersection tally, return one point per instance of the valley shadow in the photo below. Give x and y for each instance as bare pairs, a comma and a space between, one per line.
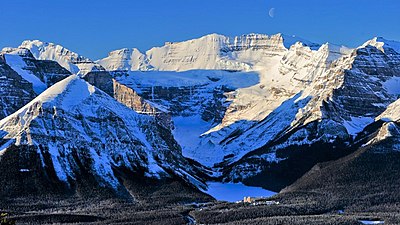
209, 93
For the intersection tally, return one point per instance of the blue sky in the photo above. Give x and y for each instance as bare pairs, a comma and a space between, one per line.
93, 27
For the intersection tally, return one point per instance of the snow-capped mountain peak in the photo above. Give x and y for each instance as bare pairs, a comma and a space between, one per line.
75, 123
68, 59
24, 52
382, 44
291, 40
41, 74
124, 60
212, 52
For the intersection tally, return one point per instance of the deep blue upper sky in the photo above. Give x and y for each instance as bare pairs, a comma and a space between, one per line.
93, 27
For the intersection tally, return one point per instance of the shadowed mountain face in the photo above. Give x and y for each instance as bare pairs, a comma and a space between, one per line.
364, 181
41, 73
362, 186
24, 77
15, 91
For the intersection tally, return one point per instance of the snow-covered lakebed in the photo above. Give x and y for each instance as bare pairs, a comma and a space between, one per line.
233, 192
371, 221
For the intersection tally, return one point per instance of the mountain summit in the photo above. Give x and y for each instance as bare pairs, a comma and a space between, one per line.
213, 51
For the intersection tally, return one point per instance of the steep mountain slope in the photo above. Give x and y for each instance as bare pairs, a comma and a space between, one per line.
74, 137
366, 180
24, 77
360, 188
92, 72
191, 98
71, 61
15, 91
41, 73
342, 101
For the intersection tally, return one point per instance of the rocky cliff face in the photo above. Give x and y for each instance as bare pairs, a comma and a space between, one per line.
133, 100
100, 79
24, 78
15, 92
41, 73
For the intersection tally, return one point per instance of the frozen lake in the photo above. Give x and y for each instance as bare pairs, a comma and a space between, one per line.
372, 222
234, 192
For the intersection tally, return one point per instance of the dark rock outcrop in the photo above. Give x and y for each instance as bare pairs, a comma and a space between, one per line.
15, 92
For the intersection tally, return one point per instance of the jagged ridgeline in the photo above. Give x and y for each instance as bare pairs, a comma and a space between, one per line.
257, 109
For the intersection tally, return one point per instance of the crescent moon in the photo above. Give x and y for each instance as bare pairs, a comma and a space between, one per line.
271, 12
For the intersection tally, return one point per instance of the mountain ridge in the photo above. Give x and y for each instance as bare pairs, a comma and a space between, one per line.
249, 100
